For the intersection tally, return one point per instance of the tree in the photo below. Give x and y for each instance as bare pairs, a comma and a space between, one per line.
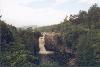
85, 51
94, 15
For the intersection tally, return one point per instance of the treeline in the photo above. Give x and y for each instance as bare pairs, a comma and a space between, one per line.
18, 46
81, 32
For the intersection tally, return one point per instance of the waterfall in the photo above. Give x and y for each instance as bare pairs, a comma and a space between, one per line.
42, 47
41, 44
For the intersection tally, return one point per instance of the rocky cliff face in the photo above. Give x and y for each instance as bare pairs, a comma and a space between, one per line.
53, 41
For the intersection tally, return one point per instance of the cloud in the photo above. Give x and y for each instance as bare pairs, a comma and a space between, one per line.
19, 15
26, 2
59, 2
89, 2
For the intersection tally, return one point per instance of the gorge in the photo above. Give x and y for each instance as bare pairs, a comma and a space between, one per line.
50, 46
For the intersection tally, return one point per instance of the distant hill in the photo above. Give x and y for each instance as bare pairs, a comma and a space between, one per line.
30, 26
51, 28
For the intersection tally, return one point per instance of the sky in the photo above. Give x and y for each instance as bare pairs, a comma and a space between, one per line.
41, 12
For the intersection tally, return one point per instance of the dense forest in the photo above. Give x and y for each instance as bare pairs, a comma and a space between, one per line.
80, 33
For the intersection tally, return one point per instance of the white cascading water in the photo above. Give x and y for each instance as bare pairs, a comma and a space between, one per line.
42, 47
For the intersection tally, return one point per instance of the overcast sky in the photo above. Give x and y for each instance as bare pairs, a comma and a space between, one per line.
40, 12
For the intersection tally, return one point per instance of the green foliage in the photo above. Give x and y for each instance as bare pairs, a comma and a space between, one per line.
17, 45
85, 51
